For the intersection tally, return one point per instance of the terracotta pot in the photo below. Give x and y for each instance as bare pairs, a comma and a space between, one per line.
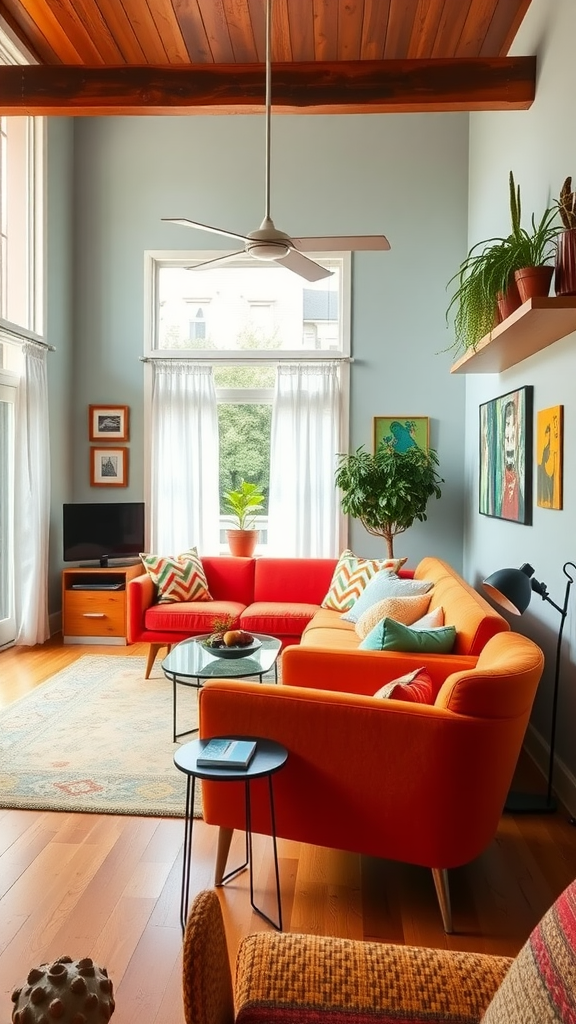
565, 279
509, 300
533, 282
242, 543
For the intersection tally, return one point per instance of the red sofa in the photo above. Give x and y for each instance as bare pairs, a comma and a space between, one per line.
278, 596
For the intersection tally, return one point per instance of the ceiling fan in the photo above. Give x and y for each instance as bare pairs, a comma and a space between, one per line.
268, 242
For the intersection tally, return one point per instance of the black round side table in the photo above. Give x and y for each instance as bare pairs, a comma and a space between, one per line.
269, 758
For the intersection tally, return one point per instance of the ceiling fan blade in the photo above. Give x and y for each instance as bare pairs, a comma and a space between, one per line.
203, 227
300, 264
217, 259
350, 243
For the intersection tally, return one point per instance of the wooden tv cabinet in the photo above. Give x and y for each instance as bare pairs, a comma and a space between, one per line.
94, 604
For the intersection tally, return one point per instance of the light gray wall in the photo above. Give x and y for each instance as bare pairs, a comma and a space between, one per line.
404, 175
539, 145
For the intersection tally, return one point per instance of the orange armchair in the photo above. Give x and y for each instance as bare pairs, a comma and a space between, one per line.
422, 784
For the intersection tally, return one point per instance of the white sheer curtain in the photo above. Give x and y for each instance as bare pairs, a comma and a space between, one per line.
303, 506
184, 459
32, 499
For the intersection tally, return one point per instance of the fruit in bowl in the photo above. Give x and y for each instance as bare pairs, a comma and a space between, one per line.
237, 638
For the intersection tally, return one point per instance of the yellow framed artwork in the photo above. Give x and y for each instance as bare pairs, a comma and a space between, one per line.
549, 453
402, 432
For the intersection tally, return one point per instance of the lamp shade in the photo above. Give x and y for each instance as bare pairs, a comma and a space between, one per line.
511, 588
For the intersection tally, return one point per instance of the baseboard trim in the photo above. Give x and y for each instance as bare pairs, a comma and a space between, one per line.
564, 781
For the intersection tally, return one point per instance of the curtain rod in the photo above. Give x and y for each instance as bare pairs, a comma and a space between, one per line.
300, 358
9, 339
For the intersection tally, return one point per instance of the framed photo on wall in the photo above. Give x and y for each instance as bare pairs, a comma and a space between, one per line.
109, 467
108, 422
505, 480
549, 455
402, 432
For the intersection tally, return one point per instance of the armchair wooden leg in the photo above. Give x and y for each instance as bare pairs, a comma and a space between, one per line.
152, 652
224, 840
440, 876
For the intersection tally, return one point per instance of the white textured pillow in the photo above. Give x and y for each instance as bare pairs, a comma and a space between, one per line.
406, 610
385, 584
431, 620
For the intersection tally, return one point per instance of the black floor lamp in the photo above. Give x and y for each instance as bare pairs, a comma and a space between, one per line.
512, 589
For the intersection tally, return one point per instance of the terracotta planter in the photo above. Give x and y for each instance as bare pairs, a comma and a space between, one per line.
509, 300
242, 543
533, 282
565, 279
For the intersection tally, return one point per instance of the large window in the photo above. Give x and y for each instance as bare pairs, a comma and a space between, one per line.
247, 319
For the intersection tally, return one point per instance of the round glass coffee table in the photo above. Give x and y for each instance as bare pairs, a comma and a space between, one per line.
191, 664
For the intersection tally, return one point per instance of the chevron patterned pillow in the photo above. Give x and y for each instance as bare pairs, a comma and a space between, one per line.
351, 576
179, 577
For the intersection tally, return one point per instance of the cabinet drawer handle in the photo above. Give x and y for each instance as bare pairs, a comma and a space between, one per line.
93, 615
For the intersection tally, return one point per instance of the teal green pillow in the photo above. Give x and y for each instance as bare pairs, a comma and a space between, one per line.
389, 635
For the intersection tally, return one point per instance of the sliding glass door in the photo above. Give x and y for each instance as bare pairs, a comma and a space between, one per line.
7, 617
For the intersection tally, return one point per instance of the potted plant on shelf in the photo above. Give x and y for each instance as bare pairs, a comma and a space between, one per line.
387, 491
565, 277
499, 274
243, 504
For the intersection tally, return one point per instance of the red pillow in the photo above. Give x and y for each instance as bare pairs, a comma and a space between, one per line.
415, 686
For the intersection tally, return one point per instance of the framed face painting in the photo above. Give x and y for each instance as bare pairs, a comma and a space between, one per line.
402, 432
505, 482
549, 454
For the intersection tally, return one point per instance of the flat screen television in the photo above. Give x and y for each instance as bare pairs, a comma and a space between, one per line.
100, 531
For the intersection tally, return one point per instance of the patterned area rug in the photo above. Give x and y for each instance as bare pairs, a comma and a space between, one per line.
97, 737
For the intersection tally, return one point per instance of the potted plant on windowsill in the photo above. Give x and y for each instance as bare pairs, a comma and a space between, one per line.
387, 491
498, 274
242, 506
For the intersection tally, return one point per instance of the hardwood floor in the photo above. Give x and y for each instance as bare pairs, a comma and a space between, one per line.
108, 886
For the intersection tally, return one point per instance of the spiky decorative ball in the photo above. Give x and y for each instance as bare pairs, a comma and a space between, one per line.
68, 991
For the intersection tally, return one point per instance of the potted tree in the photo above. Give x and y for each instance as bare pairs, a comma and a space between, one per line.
243, 504
387, 491
499, 274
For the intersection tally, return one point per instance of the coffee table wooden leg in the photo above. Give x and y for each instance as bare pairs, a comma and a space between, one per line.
224, 841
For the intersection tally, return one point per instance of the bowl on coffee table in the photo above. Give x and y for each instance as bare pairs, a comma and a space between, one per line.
234, 651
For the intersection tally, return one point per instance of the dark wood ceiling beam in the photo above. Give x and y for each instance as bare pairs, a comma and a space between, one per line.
341, 87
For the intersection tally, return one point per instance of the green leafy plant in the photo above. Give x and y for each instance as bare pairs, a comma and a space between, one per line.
243, 504
488, 268
387, 491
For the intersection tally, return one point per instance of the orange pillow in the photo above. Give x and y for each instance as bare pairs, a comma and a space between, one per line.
415, 687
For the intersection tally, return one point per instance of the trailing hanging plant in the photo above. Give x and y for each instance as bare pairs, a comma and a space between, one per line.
387, 491
489, 267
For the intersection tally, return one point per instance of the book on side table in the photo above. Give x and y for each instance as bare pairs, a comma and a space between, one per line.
227, 754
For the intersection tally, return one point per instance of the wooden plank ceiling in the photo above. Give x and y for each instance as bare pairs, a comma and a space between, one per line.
186, 56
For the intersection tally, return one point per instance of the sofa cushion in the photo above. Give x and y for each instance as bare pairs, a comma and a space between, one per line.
351, 576
277, 618
402, 609
541, 983
415, 686
190, 617
430, 620
389, 635
386, 584
178, 577
292, 580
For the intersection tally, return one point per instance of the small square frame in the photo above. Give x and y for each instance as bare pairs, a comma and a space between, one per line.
404, 431
109, 467
108, 422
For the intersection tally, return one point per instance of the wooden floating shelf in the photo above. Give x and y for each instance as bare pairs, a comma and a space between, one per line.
535, 325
